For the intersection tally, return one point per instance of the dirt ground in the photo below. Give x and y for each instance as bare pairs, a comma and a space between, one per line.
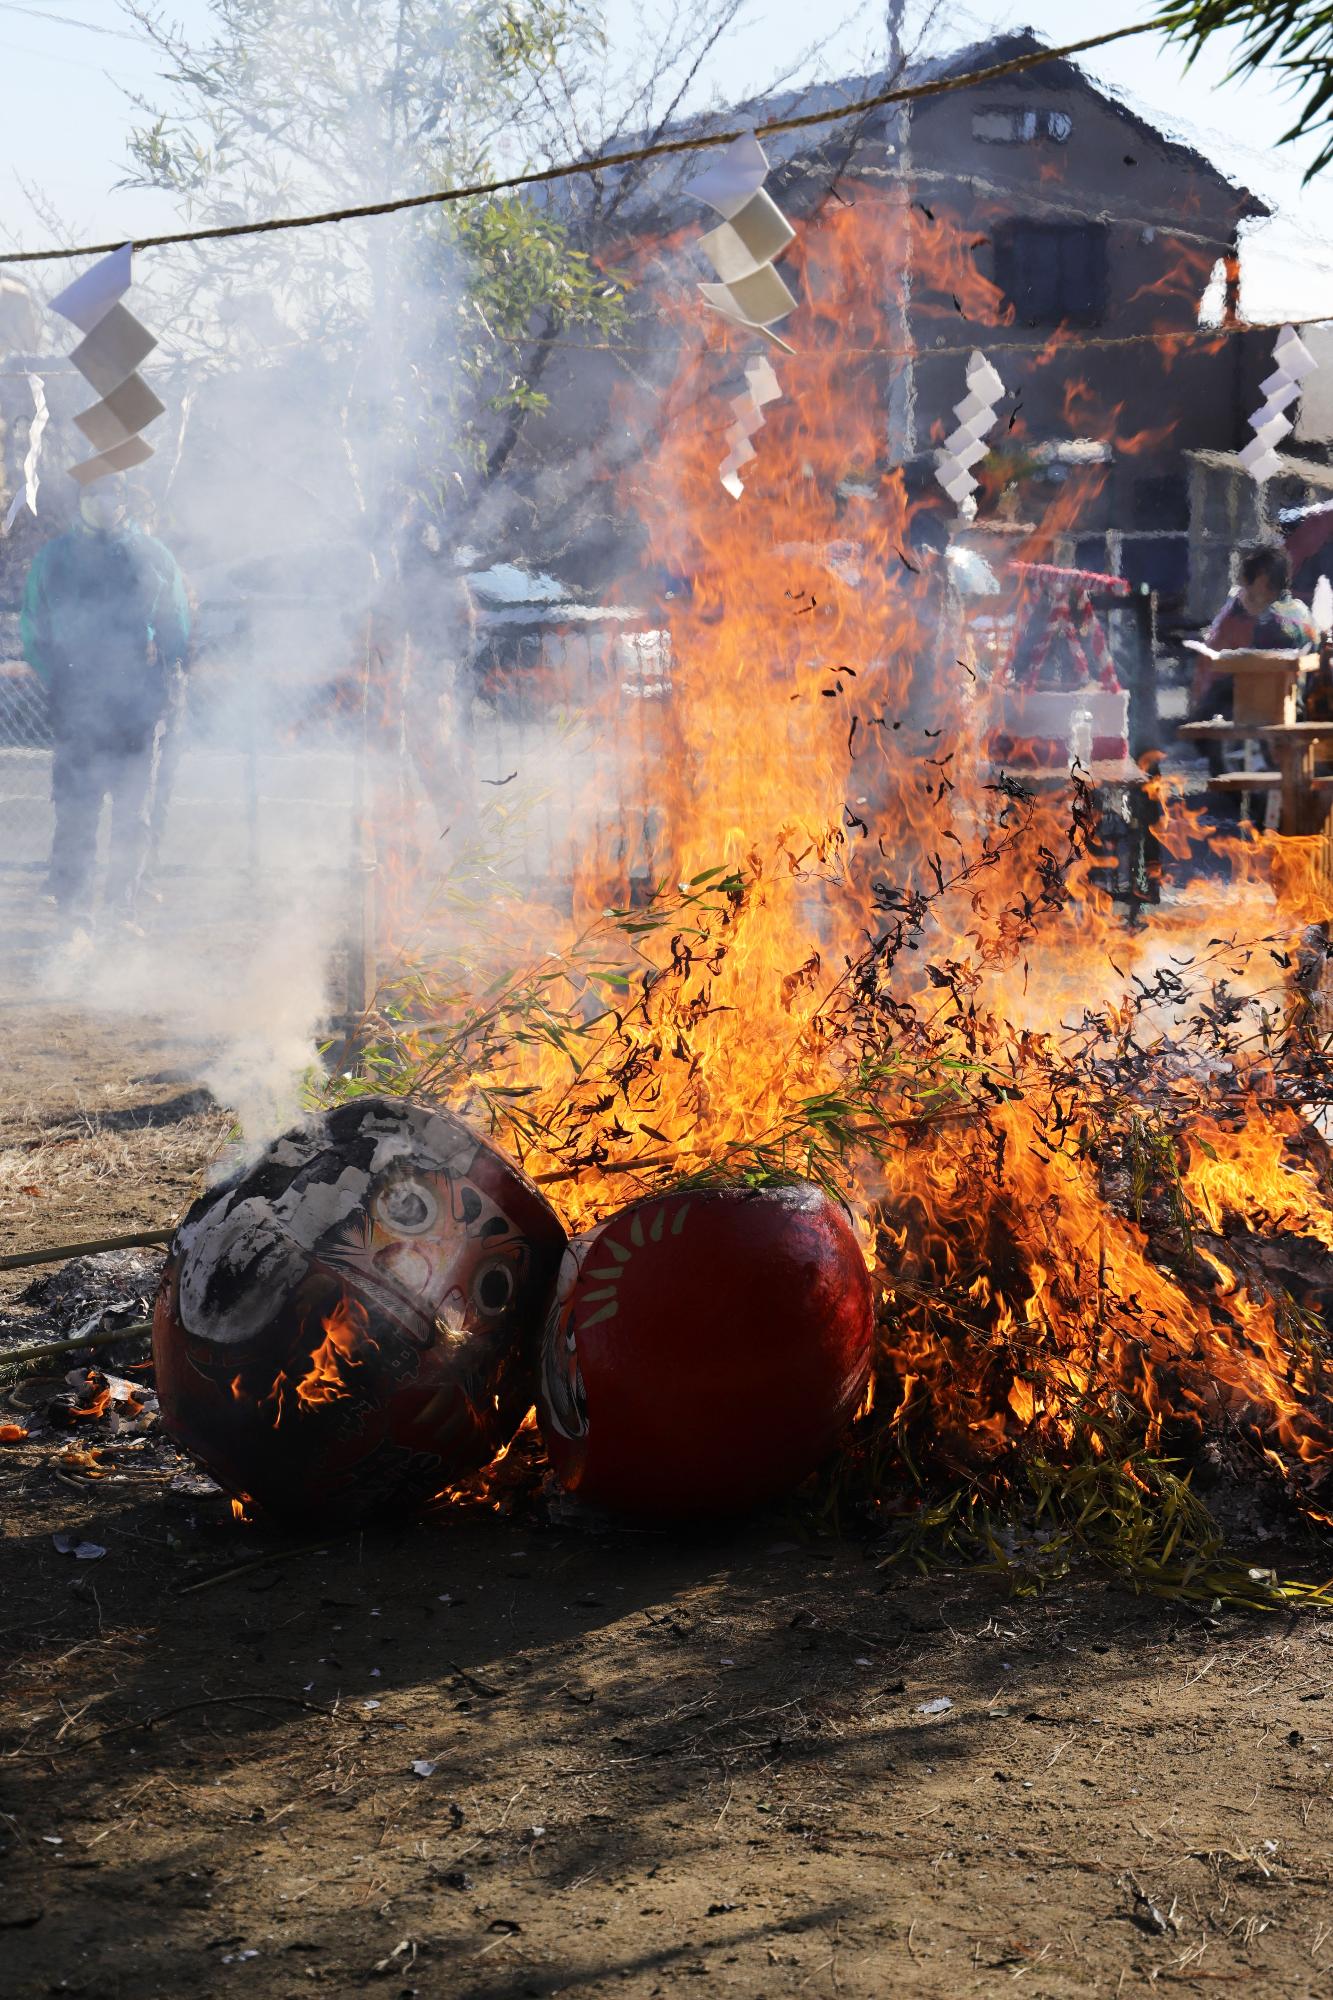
526, 1755
103, 1125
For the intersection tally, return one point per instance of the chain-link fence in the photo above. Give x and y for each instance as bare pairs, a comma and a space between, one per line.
230, 806
25, 765
563, 739
561, 746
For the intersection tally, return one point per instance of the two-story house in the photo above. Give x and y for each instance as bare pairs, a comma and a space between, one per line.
1103, 281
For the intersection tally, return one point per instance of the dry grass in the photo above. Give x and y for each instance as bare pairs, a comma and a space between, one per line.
79, 1161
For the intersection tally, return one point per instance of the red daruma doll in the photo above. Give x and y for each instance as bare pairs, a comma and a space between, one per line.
705, 1349
351, 1323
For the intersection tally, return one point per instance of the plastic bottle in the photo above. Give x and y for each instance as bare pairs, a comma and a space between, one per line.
1321, 607
1080, 738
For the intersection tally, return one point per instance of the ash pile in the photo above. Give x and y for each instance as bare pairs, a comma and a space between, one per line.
86, 1297
85, 1395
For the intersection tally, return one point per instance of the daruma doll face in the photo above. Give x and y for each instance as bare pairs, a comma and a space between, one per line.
351, 1324
705, 1349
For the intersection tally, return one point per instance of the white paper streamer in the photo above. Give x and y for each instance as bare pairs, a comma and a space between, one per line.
752, 233
121, 415
749, 291
1270, 423
733, 177
113, 350
91, 296
966, 444
761, 387
27, 493
755, 235
108, 357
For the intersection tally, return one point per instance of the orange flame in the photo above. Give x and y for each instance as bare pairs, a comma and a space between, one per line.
99, 1398
1054, 1248
329, 1375
346, 1337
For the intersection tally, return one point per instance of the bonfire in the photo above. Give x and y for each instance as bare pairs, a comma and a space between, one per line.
1085, 1150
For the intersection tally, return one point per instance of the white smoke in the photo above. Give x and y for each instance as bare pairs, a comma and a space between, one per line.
311, 386
252, 908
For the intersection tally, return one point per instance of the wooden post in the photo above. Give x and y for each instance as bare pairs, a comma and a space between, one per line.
362, 973
1145, 732
252, 794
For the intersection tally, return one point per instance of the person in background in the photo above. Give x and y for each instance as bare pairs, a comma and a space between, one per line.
106, 629
1260, 615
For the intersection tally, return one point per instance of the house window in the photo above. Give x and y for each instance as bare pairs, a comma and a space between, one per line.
1162, 503
1053, 273
1021, 126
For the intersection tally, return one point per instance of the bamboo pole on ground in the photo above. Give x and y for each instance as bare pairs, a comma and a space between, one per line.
60, 1253
47, 1350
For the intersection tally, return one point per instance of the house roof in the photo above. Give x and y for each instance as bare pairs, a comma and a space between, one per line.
785, 149
1025, 41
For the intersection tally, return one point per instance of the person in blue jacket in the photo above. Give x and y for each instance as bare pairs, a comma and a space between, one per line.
106, 628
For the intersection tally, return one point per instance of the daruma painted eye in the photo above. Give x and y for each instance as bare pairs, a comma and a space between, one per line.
409, 1208
493, 1286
